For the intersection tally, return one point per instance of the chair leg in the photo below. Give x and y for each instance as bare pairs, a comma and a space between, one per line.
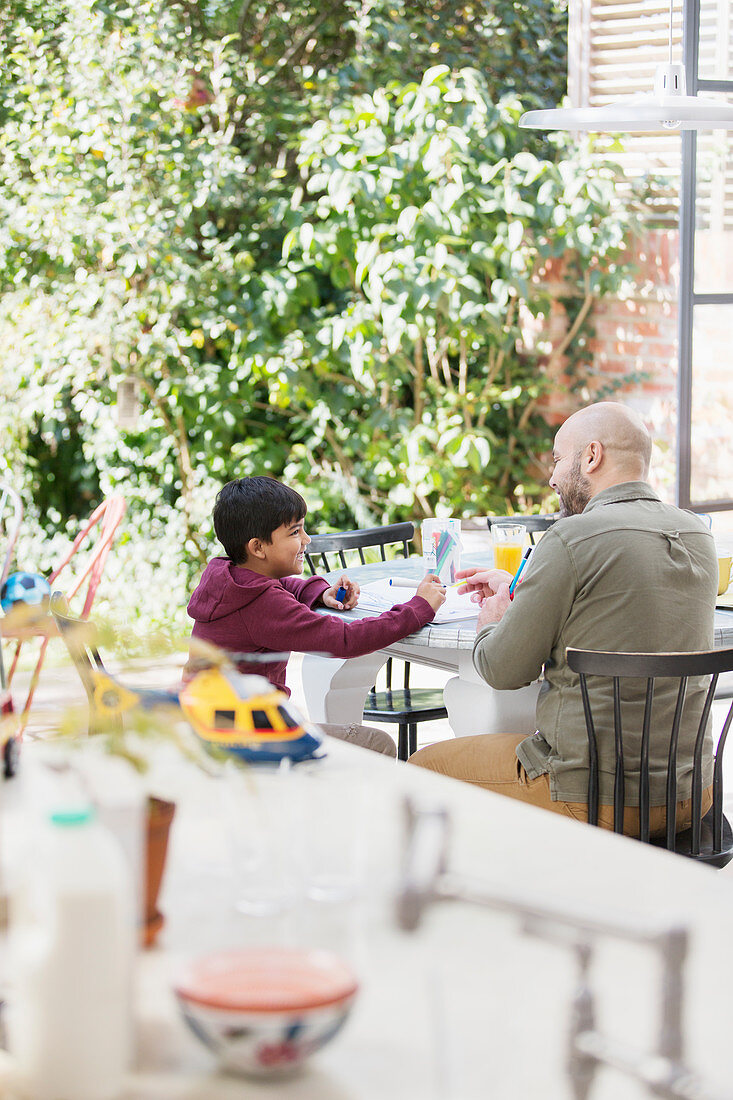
25, 713
412, 738
403, 745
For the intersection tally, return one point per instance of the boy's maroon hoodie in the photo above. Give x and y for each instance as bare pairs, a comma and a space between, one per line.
243, 612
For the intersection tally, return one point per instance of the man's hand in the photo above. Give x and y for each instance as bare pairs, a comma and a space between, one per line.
493, 607
481, 584
431, 589
351, 598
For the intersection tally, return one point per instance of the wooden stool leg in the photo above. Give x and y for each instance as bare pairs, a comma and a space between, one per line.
403, 742
412, 737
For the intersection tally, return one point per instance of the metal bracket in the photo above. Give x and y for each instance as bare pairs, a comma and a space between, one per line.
426, 880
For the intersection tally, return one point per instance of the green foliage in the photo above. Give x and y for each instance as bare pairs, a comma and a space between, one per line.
427, 224
310, 250
520, 46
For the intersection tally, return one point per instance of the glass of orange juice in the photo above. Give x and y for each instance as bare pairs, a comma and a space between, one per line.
508, 540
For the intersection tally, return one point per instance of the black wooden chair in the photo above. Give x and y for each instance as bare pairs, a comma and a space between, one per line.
404, 707
535, 524
709, 838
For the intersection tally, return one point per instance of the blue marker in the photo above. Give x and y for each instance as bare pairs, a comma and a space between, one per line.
341, 594
517, 575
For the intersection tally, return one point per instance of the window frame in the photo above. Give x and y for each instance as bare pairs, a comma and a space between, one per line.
688, 298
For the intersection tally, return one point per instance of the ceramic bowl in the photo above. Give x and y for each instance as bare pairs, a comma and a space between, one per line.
263, 1011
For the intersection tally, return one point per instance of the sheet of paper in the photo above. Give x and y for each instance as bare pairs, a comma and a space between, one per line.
379, 596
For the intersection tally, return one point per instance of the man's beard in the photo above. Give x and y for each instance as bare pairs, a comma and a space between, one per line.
576, 491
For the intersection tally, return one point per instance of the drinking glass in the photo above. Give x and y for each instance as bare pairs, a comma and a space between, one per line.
508, 540
262, 821
333, 837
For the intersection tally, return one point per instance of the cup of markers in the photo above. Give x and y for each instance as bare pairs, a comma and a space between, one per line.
441, 547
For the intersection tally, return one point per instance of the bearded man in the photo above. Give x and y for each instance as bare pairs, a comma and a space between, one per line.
619, 571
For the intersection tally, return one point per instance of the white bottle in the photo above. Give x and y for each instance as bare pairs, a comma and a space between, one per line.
72, 934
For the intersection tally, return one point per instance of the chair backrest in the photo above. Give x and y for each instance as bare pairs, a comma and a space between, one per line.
331, 549
11, 517
535, 524
652, 667
106, 518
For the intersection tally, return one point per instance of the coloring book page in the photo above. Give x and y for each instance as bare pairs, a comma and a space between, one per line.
378, 596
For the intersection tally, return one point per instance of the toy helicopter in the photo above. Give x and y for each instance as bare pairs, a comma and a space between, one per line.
229, 711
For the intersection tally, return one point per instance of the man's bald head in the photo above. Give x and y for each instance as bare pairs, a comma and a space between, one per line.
620, 431
602, 445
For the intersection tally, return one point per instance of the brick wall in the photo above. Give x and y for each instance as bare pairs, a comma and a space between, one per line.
635, 334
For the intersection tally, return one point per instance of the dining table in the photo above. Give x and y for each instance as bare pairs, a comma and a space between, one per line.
336, 688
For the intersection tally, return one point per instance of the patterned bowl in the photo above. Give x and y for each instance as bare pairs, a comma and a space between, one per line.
263, 1011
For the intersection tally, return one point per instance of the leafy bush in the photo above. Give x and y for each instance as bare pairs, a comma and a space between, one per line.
422, 228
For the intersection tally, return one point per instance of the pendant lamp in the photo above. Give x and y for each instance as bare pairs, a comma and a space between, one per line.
668, 107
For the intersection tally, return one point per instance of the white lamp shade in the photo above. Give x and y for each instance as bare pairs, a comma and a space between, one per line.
667, 108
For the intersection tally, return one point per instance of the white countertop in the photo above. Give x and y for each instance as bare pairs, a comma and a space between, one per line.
468, 1007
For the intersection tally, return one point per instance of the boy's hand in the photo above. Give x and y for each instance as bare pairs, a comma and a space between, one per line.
431, 588
481, 584
351, 588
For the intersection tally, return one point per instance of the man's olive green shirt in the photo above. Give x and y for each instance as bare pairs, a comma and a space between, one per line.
628, 574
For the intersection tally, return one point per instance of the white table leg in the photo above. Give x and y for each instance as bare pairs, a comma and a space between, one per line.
477, 708
474, 707
335, 689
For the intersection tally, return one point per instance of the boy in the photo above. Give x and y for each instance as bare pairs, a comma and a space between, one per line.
252, 601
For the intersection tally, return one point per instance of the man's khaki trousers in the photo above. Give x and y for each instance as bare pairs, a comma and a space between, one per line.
490, 761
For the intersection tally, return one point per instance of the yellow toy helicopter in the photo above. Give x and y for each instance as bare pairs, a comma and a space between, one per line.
230, 711
245, 715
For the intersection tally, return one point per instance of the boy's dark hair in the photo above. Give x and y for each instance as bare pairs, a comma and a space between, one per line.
252, 508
